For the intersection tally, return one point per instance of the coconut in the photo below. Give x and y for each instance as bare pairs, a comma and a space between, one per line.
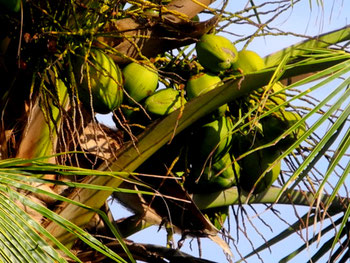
164, 101
254, 165
105, 81
277, 123
248, 61
220, 175
276, 99
139, 81
212, 140
216, 53
201, 83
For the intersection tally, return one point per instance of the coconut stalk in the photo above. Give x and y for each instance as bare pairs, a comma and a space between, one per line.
232, 196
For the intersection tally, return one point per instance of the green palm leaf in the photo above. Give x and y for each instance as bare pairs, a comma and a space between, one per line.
20, 241
16, 174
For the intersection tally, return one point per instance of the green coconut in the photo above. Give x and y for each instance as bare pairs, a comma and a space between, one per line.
276, 124
276, 99
254, 165
216, 53
248, 61
291, 118
164, 101
105, 81
212, 140
201, 83
139, 81
218, 176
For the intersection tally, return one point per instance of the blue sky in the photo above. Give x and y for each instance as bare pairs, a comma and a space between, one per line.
302, 19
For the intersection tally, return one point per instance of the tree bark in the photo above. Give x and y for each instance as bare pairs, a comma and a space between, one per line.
147, 38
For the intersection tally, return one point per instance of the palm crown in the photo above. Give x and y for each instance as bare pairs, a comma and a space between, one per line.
251, 132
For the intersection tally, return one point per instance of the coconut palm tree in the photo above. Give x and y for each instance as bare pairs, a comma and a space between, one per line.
257, 137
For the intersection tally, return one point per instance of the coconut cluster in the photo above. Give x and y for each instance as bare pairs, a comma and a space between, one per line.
217, 152
104, 84
224, 152
216, 141
220, 145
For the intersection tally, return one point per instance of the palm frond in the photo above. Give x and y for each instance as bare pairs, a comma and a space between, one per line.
307, 46
18, 174
19, 235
